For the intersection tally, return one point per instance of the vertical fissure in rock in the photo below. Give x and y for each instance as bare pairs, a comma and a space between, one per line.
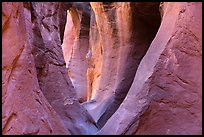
76, 46
145, 24
49, 21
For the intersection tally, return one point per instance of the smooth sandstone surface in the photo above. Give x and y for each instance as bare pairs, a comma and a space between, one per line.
117, 46
75, 47
165, 97
45, 54
50, 64
113, 68
25, 110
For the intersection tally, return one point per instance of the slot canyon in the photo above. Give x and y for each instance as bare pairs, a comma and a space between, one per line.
101, 68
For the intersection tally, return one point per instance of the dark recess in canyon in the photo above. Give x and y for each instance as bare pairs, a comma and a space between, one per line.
145, 21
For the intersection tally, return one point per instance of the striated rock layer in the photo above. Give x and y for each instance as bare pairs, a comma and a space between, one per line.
102, 68
117, 47
165, 97
38, 28
52, 74
24, 108
75, 47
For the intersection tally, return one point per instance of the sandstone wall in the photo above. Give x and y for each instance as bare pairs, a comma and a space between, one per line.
131, 68
25, 110
165, 97
117, 45
51, 67
33, 62
75, 47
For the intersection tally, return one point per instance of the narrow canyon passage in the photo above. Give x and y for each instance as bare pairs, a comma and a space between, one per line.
75, 47
128, 47
95, 68
52, 76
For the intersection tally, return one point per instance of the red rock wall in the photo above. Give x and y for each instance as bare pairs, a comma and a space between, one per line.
165, 97
117, 45
52, 73
102, 68
75, 47
42, 46
25, 110
176, 86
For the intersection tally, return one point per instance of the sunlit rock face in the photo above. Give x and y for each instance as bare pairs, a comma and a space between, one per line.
101, 68
117, 45
24, 108
75, 47
33, 63
165, 97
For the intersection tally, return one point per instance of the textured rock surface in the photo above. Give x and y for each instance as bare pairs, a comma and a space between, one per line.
117, 44
24, 108
75, 47
165, 97
135, 67
52, 73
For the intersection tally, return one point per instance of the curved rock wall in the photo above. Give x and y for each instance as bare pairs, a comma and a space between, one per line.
52, 73
75, 47
102, 68
25, 110
165, 97
123, 46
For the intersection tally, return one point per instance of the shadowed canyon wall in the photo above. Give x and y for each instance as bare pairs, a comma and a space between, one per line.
75, 47
49, 63
24, 107
165, 97
102, 68
125, 32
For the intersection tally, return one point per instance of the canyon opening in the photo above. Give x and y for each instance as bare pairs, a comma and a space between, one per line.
102, 68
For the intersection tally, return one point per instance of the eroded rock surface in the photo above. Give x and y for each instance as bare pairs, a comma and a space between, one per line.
75, 47
117, 45
25, 110
38, 26
51, 67
102, 68
165, 97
